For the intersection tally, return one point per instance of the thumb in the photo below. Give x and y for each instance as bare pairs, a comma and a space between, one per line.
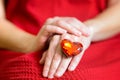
42, 60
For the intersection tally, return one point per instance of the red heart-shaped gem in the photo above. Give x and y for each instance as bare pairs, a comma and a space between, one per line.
71, 48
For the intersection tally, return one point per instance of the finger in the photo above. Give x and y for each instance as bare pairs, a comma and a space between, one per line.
67, 36
47, 31
79, 25
71, 21
54, 29
75, 61
42, 60
63, 66
65, 61
68, 27
50, 55
55, 63
50, 21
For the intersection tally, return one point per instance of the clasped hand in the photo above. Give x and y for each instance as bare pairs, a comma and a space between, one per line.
57, 29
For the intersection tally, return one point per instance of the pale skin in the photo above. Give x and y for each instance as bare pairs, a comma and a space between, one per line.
58, 63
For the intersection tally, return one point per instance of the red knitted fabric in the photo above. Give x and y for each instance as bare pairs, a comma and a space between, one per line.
101, 60
98, 63
27, 68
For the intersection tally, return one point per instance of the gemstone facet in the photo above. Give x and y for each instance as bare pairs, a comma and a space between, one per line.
71, 48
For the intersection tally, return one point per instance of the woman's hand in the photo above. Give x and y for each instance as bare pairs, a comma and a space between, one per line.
71, 24
60, 25
54, 59
55, 62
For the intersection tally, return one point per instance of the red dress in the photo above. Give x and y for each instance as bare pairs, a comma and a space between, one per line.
101, 60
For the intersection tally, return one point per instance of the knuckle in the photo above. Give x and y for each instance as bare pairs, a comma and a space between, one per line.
56, 17
46, 68
57, 29
73, 18
48, 57
55, 37
63, 67
58, 22
54, 41
47, 27
53, 68
49, 20
56, 59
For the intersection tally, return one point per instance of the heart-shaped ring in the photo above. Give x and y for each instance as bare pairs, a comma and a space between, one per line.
70, 48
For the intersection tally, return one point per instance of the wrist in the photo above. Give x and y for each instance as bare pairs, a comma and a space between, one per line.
90, 24
15, 39
29, 44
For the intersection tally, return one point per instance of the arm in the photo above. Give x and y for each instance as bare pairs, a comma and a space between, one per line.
13, 38
106, 24
10, 36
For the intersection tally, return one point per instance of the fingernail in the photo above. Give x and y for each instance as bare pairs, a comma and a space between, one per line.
58, 74
50, 76
71, 68
64, 31
45, 73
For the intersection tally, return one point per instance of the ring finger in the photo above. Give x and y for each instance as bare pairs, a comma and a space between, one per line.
50, 55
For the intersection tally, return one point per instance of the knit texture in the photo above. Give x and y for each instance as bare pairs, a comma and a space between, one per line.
27, 67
